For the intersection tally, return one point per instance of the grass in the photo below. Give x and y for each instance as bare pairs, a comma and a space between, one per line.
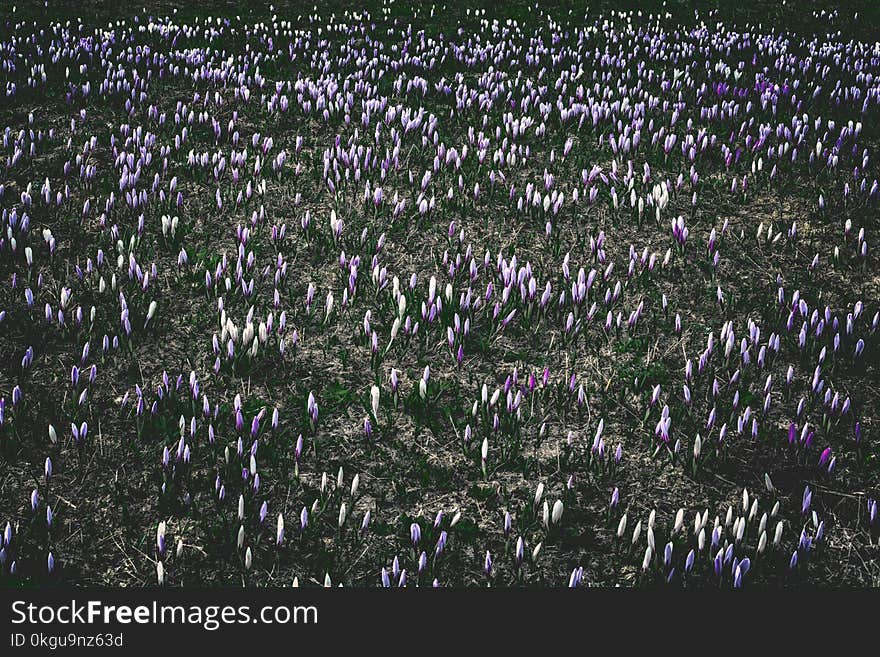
107, 494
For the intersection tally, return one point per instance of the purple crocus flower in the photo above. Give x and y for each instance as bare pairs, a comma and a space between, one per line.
689, 561
808, 497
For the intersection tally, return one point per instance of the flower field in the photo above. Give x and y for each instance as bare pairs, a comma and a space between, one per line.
412, 295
